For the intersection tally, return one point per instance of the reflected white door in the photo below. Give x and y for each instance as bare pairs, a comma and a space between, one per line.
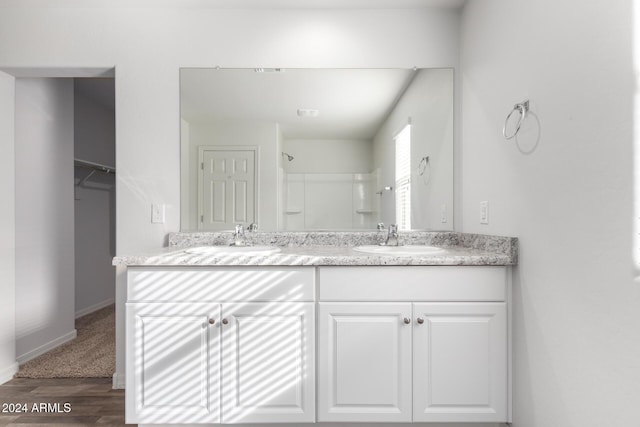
364, 362
460, 362
172, 363
268, 363
227, 188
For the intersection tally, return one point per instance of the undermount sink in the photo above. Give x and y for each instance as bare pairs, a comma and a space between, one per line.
405, 250
233, 250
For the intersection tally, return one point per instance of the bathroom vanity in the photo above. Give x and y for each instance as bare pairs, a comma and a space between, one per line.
320, 333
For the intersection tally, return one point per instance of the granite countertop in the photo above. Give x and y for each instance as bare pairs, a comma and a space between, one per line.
332, 248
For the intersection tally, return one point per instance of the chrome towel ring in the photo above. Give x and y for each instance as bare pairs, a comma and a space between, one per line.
522, 108
424, 166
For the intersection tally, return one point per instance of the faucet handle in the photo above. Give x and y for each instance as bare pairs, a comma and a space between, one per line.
252, 227
238, 236
380, 226
393, 228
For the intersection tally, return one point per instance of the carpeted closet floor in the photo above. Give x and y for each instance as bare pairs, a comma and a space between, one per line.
91, 355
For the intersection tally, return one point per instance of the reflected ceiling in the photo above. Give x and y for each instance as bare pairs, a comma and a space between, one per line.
348, 107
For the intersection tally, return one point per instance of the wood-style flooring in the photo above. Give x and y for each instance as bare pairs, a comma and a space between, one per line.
89, 401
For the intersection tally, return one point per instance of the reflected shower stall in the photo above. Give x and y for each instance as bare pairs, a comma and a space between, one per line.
330, 201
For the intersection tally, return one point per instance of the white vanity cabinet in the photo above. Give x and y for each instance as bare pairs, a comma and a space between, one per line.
421, 344
395, 344
220, 345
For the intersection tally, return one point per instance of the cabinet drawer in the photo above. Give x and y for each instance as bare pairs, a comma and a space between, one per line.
413, 283
203, 284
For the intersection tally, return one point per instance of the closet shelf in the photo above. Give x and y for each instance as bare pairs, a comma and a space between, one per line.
93, 168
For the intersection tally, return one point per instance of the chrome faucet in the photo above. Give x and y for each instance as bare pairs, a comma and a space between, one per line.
238, 236
392, 236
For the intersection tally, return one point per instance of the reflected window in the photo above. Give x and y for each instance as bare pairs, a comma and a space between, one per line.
403, 178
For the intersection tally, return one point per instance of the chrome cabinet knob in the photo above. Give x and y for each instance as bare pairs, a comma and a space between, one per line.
420, 320
212, 321
407, 320
225, 322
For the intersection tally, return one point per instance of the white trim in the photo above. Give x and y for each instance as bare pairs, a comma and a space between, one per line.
95, 307
69, 336
119, 381
7, 373
54, 72
509, 281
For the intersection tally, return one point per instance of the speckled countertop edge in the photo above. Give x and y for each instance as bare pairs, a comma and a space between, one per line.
333, 248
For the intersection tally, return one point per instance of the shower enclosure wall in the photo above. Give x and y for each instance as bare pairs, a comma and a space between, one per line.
330, 201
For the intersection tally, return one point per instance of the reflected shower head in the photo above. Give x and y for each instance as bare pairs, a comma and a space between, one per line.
288, 156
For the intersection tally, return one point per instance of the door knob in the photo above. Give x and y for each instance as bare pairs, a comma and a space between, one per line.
212, 321
420, 320
407, 320
225, 322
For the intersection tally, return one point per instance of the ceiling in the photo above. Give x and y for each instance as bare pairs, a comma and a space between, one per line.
244, 4
352, 103
330, 4
100, 90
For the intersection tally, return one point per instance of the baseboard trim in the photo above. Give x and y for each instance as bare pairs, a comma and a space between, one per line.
95, 307
39, 351
119, 381
7, 373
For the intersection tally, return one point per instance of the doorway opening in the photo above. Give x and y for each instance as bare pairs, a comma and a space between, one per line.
65, 214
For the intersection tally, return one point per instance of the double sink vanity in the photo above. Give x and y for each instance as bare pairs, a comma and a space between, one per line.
304, 327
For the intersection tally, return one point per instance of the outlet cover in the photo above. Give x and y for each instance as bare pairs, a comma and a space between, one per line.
157, 213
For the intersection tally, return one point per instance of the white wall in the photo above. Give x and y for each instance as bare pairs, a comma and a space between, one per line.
263, 135
328, 156
8, 364
94, 141
280, 202
188, 219
569, 198
148, 45
428, 103
44, 214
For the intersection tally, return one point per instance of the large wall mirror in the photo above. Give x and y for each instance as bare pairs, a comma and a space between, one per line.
316, 149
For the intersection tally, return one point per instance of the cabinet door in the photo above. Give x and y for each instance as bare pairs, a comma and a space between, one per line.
268, 367
364, 362
460, 362
172, 363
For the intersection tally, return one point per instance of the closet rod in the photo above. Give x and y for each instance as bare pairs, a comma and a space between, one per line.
94, 166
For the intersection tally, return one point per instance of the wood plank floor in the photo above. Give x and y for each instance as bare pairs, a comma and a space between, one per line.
89, 401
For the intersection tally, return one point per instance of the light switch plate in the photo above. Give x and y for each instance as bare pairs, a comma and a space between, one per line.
484, 212
443, 213
157, 213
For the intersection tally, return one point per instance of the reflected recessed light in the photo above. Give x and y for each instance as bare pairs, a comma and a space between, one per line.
308, 112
